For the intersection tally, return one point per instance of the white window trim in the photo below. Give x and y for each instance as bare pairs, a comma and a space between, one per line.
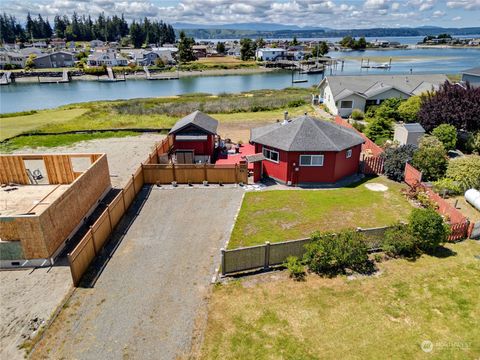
349, 153
317, 165
271, 151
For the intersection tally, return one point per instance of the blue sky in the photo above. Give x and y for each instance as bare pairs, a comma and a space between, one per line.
323, 13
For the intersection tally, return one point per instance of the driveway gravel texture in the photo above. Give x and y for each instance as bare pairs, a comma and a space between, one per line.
150, 299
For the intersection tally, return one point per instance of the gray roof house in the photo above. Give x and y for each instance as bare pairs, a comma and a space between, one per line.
306, 150
198, 120
56, 59
305, 133
472, 76
342, 94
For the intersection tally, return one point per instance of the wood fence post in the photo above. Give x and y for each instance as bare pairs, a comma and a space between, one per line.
266, 263
174, 174
133, 185
205, 178
109, 218
123, 199
223, 261
93, 241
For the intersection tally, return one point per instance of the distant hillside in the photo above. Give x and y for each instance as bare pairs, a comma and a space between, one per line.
244, 26
220, 32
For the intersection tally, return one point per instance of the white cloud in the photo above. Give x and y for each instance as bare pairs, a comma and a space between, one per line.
438, 13
457, 18
422, 5
464, 4
395, 6
376, 4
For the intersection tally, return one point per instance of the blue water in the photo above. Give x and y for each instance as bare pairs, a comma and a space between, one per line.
20, 97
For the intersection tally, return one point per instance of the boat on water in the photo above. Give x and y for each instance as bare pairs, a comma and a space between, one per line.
382, 66
313, 70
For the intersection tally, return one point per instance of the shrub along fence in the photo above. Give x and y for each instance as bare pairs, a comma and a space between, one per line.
460, 226
272, 254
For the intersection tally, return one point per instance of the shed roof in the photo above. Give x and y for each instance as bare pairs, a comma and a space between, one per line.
306, 133
198, 119
413, 128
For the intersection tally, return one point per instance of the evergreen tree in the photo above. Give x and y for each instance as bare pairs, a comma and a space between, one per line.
185, 48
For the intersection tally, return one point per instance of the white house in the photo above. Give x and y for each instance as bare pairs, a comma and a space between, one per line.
12, 58
408, 134
270, 54
107, 57
342, 94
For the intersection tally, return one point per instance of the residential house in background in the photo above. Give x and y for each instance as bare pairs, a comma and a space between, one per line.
270, 54
13, 58
233, 51
306, 150
31, 50
408, 134
200, 51
96, 44
58, 43
472, 76
342, 94
107, 57
56, 59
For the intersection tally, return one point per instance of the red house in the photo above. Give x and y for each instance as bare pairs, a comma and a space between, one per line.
306, 150
194, 138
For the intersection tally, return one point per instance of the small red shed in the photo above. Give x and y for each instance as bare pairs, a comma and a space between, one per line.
307, 150
194, 138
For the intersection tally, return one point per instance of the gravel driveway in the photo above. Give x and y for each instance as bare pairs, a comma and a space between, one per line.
150, 299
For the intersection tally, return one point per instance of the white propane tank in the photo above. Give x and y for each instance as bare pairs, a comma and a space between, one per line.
473, 197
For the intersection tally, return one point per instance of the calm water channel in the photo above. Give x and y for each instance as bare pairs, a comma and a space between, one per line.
19, 97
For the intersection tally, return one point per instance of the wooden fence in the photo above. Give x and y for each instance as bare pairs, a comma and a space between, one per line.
93, 241
195, 173
459, 225
372, 165
272, 254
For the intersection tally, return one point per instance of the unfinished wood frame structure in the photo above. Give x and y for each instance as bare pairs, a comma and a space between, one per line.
41, 217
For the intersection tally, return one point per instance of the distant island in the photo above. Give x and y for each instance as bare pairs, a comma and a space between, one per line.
269, 31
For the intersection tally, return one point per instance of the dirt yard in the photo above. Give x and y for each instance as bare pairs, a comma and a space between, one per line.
28, 299
149, 302
121, 165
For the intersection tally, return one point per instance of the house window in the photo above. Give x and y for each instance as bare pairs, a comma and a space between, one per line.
311, 160
348, 104
271, 155
349, 153
371, 102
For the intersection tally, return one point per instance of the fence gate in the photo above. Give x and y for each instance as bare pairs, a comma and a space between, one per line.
476, 231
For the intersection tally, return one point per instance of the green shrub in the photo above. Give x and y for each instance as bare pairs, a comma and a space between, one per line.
295, 268
296, 103
332, 254
408, 110
379, 130
399, 241
95, 70
447, 186
357, 114
358, 126
431, 158
370, 111
428, 228
447, 134
395, 160
473, 143
465, 171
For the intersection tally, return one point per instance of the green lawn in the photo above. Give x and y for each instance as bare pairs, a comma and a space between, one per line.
292, 214
11, 126
386, 316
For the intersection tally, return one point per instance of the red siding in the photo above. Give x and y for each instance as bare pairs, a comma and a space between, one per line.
345, 167
335, 166
200, 147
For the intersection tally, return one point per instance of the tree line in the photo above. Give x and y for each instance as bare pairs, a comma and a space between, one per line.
84, 28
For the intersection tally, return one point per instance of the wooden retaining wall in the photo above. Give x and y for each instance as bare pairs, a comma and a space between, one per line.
93, 241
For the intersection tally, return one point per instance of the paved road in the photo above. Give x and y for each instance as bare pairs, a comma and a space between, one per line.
151, 296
